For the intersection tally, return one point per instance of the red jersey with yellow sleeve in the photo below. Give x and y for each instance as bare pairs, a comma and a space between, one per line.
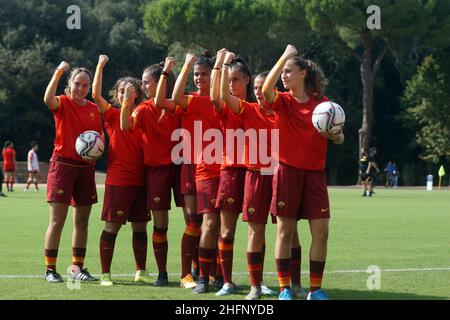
125, 166
72, 119
9, 156
230, 121
202, 110
157, 126
254, 117
301, 146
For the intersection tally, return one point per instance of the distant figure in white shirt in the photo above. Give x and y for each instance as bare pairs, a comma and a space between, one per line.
33, 166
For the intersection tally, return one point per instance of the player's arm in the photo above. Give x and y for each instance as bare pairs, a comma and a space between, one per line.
161, 100
180, 85
126, 122
215, 80
274, 74
232, 102
102, 104
50, 93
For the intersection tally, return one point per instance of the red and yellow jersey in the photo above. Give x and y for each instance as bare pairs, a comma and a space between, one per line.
256, 119
72, 119
301, 146
232, 122
125, 166
187, 123
9, 158
202, 110
157, 126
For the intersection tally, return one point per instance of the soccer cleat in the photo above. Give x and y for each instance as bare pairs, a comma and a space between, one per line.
227, 288
162, 280
299, 292
188, 282
266, 291
319, 294
105, 280
286, 294
216, 282
254, 294
82, 275
142, 276
53, 276
202, 287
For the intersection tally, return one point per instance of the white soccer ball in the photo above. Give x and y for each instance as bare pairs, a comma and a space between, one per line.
90, 145
328, 117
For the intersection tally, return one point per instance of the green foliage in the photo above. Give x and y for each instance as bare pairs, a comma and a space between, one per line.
426, 100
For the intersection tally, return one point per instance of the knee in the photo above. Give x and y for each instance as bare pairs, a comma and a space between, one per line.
56, 225
285, 235
81, 223
227, 233
321, 236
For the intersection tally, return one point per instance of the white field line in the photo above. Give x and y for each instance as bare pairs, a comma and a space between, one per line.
25, 276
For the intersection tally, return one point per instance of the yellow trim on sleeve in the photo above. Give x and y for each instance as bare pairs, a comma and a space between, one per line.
241, 107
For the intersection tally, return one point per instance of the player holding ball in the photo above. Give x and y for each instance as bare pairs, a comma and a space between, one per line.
71, 179
299, 186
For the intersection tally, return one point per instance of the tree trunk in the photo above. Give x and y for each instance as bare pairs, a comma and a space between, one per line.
367, 77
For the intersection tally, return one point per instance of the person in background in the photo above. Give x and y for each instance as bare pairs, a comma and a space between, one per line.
32, 166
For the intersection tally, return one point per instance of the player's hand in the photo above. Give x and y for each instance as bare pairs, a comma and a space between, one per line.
229, 56
219, 57
290, 52
337, 137
190, 59
102, 60
168, 63
64, 66
130, 92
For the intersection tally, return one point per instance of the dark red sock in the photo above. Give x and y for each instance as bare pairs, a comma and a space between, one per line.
254, 261
78, 255
160, 248
107, 242
284, 273
316, 274
206, 257
188, 244
50, 258
296, 257
140, 249
226, 258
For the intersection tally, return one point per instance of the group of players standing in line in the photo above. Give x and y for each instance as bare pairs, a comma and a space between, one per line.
139, 121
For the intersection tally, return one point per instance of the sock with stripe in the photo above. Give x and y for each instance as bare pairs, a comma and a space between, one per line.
195, 263
50, 259
226, 258
206, 258
160, 248
296, 258
140, 249
107, 243
255, 268
78, 255
188, 244
315, 274
284, 273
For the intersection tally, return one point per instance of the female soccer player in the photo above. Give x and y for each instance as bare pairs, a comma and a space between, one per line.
32, 166
9, 164
299, 186
189, 244
125, 190
232, 173
71, 180
162, 175
256, 117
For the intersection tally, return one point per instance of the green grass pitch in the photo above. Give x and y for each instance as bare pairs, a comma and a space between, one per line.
406, 232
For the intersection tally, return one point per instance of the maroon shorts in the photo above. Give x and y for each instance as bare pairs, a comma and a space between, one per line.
300, 194
207, 195
71, 184
188, 179
122, 204
257, 197
231, 190
160, 183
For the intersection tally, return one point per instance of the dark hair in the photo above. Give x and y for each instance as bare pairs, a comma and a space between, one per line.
278, 85
137, 86
33, 143
315, 81
73, 73
206, 59
239, 63
155, 72
7, 144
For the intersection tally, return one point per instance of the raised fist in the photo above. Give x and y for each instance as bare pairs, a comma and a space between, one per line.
64, 66
130, 92
290, 52
190, 59
170, 61
229, 56
103, 59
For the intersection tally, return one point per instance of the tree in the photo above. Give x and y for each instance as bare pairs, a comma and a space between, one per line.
404, 25
427, 108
